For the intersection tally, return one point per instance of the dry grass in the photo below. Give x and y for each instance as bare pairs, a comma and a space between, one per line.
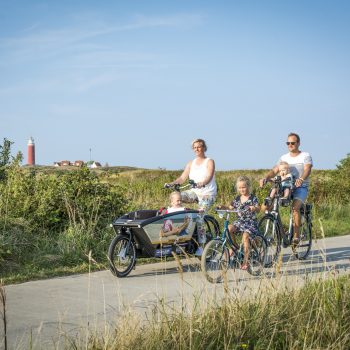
314, 317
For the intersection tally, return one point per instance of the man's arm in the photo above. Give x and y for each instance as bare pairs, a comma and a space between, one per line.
306, 174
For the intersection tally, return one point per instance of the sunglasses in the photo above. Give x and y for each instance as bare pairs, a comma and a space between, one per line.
290, 143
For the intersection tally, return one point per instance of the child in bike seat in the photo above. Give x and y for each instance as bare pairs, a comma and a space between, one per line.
286, 184
247, 207
168, 228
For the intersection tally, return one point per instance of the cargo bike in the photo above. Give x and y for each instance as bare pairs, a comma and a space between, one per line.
138, 235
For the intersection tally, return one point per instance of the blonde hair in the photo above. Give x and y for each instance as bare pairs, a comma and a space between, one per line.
172, 194
246, 180
202, 142
282, 162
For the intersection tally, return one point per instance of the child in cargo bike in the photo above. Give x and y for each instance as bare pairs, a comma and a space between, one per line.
168, 228
247, 206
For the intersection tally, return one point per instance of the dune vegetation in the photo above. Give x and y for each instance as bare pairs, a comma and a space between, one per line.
55, 221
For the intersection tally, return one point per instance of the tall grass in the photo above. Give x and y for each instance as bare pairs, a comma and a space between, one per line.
315, 317
144, 190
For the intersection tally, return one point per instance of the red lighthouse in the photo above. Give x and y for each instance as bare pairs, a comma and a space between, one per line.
31, 152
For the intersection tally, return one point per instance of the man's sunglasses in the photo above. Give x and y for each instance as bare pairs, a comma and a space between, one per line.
290, 143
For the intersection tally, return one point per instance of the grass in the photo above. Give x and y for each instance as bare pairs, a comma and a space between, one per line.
45, 255
316, 316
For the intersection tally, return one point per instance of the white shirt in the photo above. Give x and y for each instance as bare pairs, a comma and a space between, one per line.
199, 173
173, 210
296, 165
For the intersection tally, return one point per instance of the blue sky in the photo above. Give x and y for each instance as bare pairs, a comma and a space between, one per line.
137, 81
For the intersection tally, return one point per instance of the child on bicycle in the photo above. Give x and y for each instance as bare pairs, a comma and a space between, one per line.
286, 182
247, 207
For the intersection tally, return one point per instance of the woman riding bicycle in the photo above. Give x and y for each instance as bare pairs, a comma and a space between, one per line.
202, 171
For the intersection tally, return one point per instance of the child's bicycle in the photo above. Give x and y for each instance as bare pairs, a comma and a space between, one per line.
270, 225
138, 235
223, 253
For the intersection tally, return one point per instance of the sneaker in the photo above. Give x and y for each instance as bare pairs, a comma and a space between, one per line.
199, 251
267, 201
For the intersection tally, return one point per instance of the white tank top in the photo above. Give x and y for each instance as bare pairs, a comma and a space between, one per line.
198, 173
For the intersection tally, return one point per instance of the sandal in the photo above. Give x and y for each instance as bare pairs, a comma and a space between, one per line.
244, 267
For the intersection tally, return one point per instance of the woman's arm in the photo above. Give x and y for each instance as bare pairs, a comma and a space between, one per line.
183, 177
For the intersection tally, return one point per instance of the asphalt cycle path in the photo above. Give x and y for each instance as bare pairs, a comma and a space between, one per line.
45, 314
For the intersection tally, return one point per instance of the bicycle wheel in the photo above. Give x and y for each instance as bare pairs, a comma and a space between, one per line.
214, 261
269, 228
122, 256
257, 255
302, 249
212, 229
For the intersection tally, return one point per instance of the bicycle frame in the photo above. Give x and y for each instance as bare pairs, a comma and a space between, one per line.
272, 228
225, 235
277, 223
217, 257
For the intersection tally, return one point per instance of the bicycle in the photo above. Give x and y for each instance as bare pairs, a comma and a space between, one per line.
271, 227
222, 253
138, 235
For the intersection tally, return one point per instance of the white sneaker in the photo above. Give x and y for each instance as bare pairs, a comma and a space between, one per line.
199, 251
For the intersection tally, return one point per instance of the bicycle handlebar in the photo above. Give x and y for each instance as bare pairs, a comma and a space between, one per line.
178, 187
225, 210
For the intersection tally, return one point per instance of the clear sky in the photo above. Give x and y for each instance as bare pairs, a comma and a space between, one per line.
136, 81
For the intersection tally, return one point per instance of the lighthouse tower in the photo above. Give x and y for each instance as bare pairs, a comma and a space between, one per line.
31, 152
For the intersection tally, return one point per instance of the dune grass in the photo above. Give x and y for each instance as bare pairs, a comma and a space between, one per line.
317, 316
34, 245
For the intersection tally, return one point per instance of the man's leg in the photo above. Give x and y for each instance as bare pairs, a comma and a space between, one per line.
297, 203
299, 195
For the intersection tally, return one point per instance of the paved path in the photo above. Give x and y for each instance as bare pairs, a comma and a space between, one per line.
50, 310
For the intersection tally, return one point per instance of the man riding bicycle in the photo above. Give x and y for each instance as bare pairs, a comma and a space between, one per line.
300, 164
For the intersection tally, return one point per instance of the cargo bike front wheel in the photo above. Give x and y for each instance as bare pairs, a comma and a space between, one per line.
122, 255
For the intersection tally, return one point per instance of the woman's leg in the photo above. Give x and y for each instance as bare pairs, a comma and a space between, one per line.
204, 205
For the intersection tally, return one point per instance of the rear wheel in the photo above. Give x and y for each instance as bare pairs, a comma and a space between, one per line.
122, 256
214, 261
257, 255
302, 249
269, 228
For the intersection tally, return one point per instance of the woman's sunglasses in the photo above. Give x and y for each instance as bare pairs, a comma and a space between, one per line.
290, 143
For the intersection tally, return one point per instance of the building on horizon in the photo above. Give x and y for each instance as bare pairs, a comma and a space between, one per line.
96, 165
77, 163
31, 151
